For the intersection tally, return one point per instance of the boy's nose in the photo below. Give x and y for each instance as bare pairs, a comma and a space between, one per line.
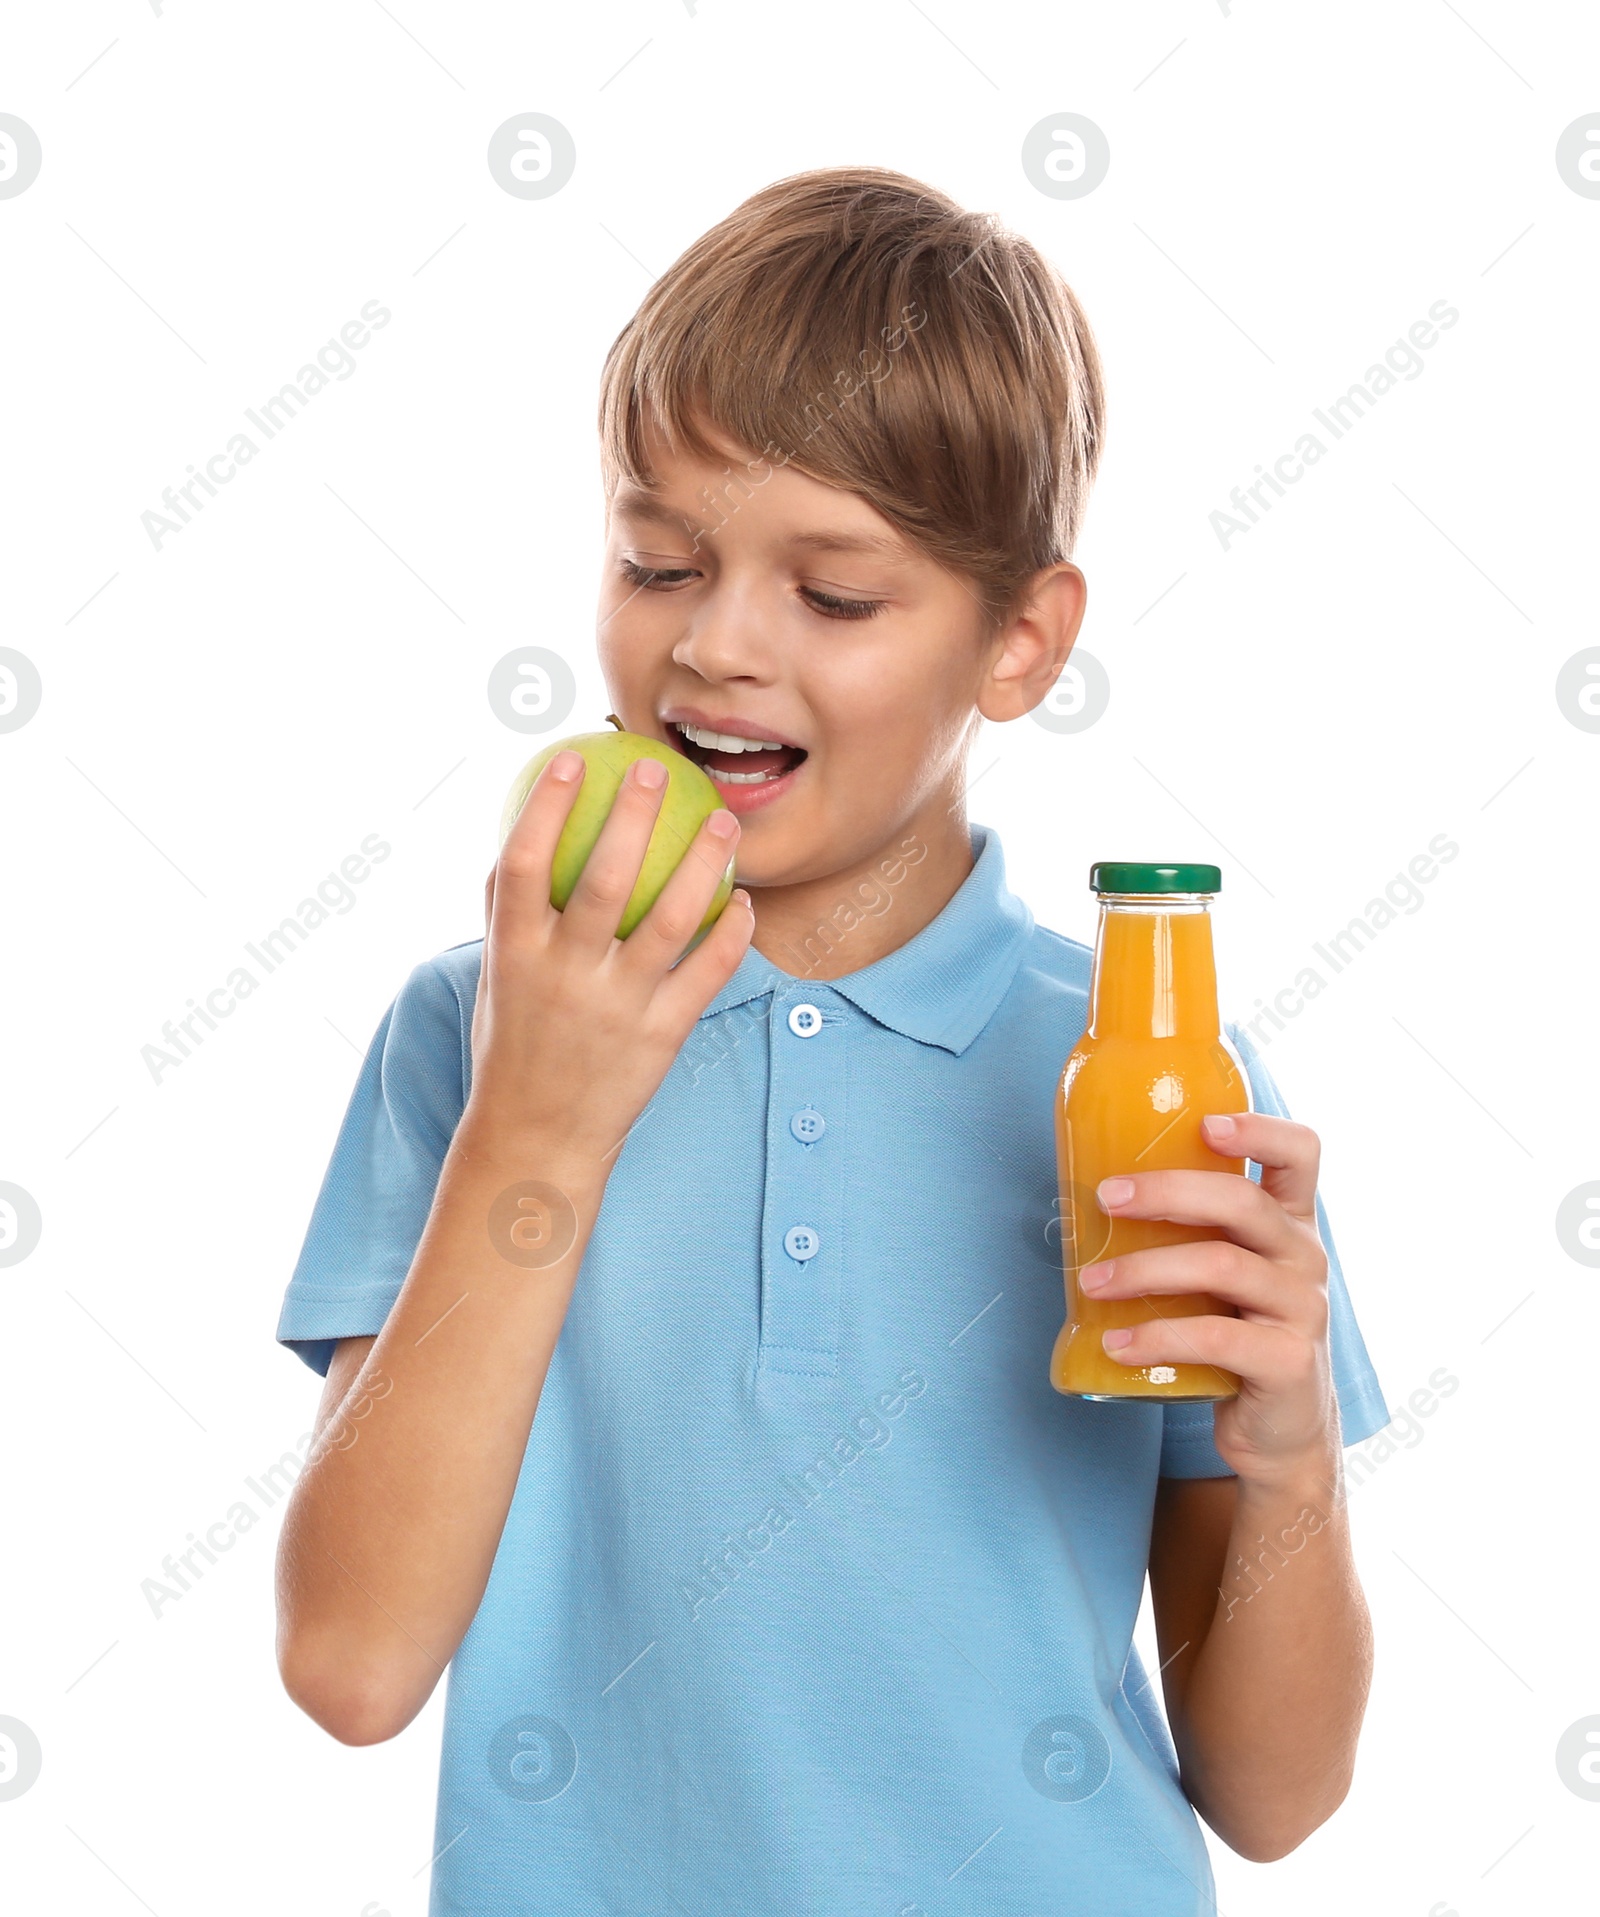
725, 640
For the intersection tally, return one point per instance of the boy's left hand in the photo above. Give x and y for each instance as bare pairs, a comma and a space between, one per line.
1270, 1266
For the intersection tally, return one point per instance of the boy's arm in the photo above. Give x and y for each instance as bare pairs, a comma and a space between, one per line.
1266, 1649
395, 1520
393, 1525
1257, 1602
348, 1357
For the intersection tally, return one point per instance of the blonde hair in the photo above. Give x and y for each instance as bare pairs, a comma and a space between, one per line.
882, 339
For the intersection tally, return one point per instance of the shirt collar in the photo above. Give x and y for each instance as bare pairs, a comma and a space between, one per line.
942, 986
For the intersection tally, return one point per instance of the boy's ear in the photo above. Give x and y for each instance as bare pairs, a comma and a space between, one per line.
1026, 656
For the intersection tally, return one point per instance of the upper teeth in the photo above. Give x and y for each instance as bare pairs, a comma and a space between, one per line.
727, 741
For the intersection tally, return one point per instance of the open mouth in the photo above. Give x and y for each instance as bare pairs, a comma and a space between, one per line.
737, 762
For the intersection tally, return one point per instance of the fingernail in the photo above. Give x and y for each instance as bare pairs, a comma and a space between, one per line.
742, 895
650, 773
1222, 1126
1115, 1340
1115, 1191
567, 764
1093, 1277
722, 825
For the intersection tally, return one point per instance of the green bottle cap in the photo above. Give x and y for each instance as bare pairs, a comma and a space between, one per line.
1108, 876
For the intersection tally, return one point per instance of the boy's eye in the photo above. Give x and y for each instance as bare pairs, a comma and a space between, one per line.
655, 575
830, 605
836, 608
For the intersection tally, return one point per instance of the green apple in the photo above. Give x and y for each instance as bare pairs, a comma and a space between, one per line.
690, 799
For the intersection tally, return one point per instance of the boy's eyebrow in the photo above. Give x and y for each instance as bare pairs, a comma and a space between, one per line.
637, 505
874, 545
641, 506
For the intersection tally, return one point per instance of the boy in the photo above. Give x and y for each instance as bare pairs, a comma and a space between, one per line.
804, 1592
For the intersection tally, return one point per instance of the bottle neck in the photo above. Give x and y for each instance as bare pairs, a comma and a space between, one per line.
1155, 973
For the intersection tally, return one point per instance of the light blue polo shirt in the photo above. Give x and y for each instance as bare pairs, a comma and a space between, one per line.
814, 1599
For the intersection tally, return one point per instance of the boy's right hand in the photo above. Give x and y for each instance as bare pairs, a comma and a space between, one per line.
574, 1029
572, 1032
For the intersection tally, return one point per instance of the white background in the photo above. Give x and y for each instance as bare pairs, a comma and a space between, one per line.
225, 719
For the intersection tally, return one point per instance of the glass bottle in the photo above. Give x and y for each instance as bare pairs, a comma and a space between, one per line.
1152, 1062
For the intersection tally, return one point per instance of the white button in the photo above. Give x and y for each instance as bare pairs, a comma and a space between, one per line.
805, 1021
808, 1126
801, 1243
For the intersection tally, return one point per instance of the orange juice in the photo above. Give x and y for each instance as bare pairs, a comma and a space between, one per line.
1151, 1064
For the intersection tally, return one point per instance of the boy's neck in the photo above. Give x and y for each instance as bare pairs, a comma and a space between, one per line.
825, 928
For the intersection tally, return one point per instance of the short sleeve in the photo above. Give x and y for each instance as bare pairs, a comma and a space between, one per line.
380, 1181
1187, 1450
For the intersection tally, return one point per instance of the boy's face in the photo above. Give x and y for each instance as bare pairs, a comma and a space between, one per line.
766, 605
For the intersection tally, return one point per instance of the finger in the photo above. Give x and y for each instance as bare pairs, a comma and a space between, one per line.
695, 981
488, 930
1251, 1217
489, 905
594, 911
659, 939
1271, 1358
1215, 1266
519, 887
1289, 1155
